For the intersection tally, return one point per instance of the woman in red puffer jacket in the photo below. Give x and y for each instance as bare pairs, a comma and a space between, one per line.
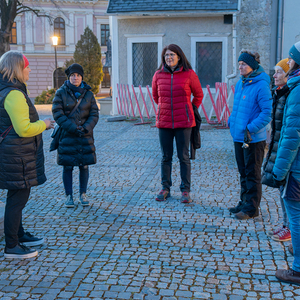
172, 86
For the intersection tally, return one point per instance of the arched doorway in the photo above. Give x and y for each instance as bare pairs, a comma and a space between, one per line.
61, 77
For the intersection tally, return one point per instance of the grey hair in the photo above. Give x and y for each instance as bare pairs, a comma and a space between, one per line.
12, 66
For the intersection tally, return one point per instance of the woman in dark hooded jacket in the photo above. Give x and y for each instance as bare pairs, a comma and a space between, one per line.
76, 144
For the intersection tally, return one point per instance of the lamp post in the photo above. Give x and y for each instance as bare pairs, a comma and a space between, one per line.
55, 42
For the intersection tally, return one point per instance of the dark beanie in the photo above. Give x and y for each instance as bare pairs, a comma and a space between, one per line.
75, 68
249, 60
295, 53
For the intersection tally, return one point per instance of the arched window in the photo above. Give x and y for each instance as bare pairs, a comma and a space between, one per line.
13, 34
61, 77
59, 30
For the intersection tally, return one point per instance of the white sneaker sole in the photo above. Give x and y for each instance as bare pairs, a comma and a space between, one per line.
33, 243
21, 256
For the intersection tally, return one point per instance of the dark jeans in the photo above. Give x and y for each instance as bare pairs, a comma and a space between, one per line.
249, 163
13, 228
182, 138
68, 179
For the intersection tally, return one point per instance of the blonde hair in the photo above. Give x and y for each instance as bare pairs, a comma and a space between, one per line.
12, 66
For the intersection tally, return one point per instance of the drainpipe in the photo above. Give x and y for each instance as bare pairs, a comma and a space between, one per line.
279, 31
234, 49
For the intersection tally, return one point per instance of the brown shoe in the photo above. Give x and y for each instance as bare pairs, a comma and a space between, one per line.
288, 276
242, 216
290, 248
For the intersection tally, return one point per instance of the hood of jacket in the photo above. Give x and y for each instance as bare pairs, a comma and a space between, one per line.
4, 83
255, 76
293, 82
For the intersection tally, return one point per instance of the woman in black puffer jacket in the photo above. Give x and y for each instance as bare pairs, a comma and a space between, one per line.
76, 144
280, 95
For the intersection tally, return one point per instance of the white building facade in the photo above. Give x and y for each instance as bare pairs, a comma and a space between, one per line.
32, 35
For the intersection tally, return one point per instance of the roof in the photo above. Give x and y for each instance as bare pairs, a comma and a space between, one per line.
129, 6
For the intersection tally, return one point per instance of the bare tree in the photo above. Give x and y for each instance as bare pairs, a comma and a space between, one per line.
9, 9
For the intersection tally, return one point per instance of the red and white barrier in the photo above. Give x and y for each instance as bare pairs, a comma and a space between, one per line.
139, 101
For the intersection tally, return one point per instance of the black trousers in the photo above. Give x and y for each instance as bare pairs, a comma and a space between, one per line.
249, 162
13, 228
182, 137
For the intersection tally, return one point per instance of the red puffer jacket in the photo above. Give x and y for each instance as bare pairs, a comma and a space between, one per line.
172, 93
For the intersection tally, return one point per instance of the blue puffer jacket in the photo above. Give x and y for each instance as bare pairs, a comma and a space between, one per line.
288, 153
251, 107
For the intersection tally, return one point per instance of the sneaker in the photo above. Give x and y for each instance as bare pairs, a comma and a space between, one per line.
20, 252
283, 235
30, 240
69, 202
185, 198
274, 232
163, 195
289, 276
83, 200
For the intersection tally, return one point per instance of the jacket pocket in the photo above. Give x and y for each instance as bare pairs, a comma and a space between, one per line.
158, 113
293, 189
187, 112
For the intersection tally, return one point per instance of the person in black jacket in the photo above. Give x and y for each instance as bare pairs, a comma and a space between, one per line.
21, 152
76, 145
280, 94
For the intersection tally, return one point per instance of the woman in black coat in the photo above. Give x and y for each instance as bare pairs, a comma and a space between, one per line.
280, 94
76, 143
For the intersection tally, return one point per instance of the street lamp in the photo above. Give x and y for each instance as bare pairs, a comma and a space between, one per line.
55, 42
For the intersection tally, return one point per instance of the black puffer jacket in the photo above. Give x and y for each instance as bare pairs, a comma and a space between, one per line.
21, 158
279, 99
74, 150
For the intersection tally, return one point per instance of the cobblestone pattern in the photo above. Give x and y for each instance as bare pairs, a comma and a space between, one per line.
128, 246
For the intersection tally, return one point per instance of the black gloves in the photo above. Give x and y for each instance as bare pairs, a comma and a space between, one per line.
278, 183
80, 131
247, 139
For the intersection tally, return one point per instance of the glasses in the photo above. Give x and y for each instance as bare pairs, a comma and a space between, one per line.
170, 55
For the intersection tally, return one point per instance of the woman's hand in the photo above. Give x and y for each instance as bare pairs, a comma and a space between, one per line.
49, 123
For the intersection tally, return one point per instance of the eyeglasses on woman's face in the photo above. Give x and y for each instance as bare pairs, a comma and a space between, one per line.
170, 55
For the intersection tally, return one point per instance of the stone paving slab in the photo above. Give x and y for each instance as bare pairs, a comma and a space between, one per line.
128, 246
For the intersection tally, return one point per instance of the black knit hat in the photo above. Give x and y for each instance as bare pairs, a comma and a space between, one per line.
75, 68
249, 60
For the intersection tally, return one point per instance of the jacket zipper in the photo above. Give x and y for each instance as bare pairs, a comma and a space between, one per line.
172, 100
187, 112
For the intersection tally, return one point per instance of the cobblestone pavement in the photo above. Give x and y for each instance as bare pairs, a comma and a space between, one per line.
128, 246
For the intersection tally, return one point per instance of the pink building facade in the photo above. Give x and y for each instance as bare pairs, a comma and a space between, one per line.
32, 35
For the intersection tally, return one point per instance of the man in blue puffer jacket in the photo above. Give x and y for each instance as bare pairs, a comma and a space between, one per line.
286, 171
251, 113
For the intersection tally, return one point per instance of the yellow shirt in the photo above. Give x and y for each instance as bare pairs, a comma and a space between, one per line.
18, 110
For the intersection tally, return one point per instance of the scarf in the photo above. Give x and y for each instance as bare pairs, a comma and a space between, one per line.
294, 74
77, 90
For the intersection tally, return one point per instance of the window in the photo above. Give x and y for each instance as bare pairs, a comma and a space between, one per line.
209, 62
61, 77
106, 78
59, 30
104, 34
209, 57
13, 34
144, 63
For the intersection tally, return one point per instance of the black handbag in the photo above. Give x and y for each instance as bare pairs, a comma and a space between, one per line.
56, 134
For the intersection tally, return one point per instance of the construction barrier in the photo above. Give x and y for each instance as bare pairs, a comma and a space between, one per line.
137, 101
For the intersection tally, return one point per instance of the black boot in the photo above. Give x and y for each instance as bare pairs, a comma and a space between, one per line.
237, 208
